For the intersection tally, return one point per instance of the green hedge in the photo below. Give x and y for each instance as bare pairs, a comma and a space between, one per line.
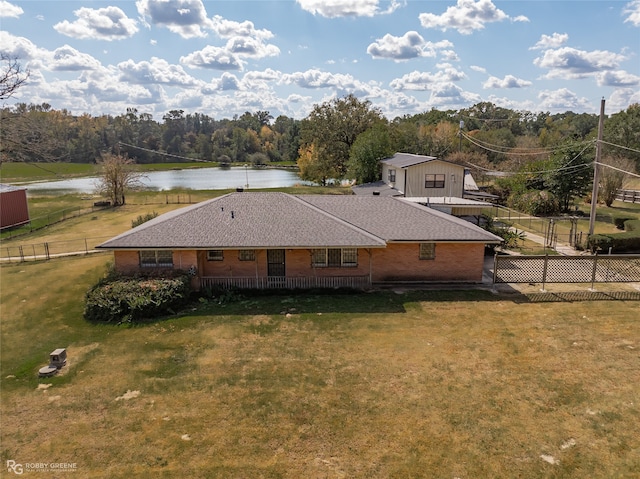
627, 242
135, 299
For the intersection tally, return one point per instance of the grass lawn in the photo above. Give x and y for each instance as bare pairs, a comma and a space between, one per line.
463, 384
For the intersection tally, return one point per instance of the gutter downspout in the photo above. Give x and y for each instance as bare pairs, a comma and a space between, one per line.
405, 183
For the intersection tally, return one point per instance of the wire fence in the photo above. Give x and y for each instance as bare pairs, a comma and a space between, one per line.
38, 222
571, 230
52, 249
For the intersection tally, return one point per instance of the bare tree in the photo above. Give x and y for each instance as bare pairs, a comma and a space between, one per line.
613, 176
12, 76
118, 177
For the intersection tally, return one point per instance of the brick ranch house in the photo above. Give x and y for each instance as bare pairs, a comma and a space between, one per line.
277, 240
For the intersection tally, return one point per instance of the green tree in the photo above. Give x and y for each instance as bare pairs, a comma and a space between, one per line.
369, 148
623, 129
571, 175
332, 128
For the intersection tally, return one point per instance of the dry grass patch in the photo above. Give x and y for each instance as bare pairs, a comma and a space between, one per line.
384, 385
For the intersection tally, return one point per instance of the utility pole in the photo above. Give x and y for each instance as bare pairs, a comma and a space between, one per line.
596, 171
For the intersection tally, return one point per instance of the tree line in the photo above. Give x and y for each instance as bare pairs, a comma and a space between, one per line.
343, 138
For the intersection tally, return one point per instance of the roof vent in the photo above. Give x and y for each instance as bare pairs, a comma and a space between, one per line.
376, 193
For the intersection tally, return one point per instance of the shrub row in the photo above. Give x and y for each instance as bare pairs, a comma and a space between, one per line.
627, 242
134, 299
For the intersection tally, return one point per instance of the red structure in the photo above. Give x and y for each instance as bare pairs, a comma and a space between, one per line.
14, 210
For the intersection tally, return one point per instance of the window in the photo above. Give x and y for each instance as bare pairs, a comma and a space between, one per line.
215, 255
427, 251
247, 255
349, 257
334, 257
434, 181
319, 257
392, 176
156, 259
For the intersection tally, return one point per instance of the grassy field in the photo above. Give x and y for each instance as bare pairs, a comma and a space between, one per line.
462, 384
392, 384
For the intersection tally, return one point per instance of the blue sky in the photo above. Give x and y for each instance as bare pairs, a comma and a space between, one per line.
223, 58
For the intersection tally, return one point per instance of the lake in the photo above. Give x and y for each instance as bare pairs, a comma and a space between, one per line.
193, 178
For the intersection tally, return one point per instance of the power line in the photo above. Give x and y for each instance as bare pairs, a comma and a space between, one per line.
555, 170
162, 153
617, 169
619, 146
520, 150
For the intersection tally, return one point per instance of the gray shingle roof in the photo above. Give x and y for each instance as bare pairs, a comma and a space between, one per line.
404, 160
394, 219
250, 220
245, 220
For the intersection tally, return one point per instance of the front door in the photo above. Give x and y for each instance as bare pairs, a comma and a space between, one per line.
275, 267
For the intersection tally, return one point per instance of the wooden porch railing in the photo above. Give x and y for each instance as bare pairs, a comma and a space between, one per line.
282, 282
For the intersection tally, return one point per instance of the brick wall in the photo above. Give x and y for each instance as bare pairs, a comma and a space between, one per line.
453, 262
396, 262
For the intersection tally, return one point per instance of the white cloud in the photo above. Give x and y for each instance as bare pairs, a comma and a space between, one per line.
554, 41
67, 58
108, 23
156, 71
229, 82
509, 81
214, 58
347, 8
251, 47
477, 68
313, 79
562, 100
9, 10
621, 98
421, 81
632, 9
567, 62
465, 17
19, 47
410, 45
617, 78
228, 28
449, 95
187, 18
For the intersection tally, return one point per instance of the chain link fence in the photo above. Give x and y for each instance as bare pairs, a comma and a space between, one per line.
567, 269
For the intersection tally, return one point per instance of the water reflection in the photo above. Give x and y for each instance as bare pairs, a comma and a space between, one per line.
194, 178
